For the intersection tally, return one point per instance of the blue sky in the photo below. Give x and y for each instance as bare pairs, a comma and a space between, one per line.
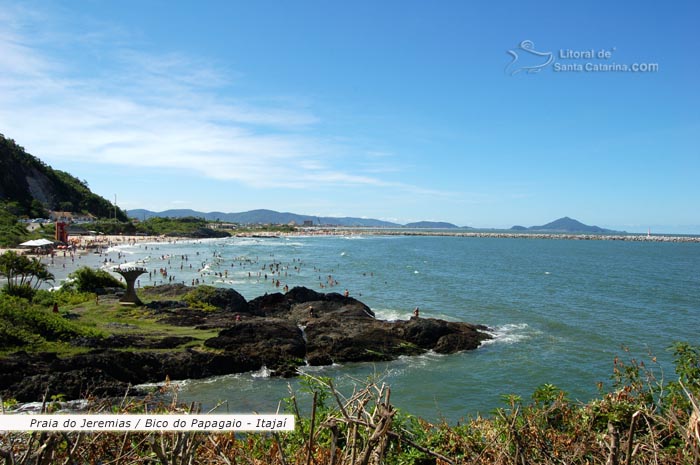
399, 110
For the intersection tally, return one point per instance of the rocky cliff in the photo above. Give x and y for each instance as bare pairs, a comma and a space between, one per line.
30, 186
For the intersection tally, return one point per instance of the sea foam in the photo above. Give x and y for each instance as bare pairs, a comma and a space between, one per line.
511, 333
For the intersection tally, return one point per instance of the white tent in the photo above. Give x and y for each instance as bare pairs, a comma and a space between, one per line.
36, 243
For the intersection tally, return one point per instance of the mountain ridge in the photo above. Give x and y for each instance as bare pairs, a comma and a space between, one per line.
433, 225
264, 216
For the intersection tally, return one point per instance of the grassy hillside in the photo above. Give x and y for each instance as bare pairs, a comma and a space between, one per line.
29, 187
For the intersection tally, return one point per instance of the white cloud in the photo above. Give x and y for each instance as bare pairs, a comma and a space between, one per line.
137, 109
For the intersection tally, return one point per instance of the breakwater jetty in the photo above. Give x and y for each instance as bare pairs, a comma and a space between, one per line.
500, 234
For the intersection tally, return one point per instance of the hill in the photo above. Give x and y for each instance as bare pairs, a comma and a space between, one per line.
29, 187
567, 225
431, 225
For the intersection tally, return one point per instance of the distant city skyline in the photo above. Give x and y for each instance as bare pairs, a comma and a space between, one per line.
478, 114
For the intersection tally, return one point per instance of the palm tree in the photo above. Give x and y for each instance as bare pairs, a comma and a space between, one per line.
23, 275
40, 274
10, 262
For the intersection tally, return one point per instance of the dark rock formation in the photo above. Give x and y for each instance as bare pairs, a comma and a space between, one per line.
278, 343
122, 341
328, 328
279, 331
269, 337
221, 298
176, 290
269, 304
28, 377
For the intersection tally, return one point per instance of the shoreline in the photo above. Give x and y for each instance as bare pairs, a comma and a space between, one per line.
62, 262
93, 250
86, 244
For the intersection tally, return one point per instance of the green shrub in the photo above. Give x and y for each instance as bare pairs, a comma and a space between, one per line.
62, 297
687, 363
23, 291
13, 336
86, 279
20, 320
200, 297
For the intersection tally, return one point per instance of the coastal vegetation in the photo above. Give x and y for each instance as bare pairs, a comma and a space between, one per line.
30, 189
157, 226
86, 279
23, 275
641, 420
33, 326
12, 232
50, 189
639, 417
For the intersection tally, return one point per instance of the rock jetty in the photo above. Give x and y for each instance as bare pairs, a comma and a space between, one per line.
513, 234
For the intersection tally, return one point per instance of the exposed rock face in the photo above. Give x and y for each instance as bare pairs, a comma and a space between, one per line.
328, 328
269, 304
280, 331
274, 340
221, 298
28, 377
228, 302
24, 178
132, 340
349, 335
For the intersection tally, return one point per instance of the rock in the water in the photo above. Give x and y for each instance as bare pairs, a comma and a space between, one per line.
271, 339
279, 331
441, 336
337, 329
28, 377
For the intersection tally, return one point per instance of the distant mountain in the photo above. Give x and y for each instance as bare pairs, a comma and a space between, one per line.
431, 225
363, 222
563, 225
566, 225
29, 187
265, 217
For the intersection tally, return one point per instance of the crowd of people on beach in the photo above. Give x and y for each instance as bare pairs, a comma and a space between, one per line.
182, 268
209, 266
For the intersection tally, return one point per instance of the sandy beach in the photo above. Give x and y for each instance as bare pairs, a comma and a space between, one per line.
85, 244
97, 243
91, 251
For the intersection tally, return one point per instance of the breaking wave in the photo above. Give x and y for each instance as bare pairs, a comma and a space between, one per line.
511, 333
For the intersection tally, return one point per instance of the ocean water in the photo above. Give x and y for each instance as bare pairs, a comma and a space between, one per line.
559, 310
